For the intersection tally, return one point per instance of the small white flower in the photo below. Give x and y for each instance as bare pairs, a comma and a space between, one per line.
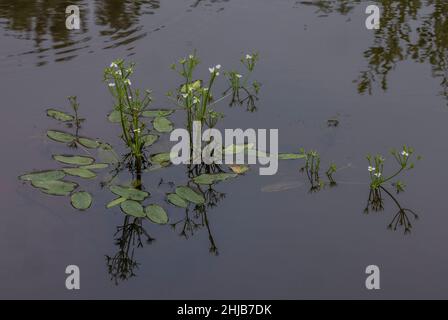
238, 76
248, 56
404, 154
218, 66
371, 169
128, 82
217, 73
184, 95
378, 174
113, 65
137, 130
130, 98
195, 100
191, 56
211, 70
119, 72
205, 89
111, 84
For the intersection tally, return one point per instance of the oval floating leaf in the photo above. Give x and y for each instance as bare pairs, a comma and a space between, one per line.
74, 160
89, 143
239, 168
174, 199
290, 156
81, 200
156, 214
157, 113
129, 193
282, 186
59, 115
189, 194
161, 158
162, 125
114, 116
238, 148
49, 175
80, 172
115, 202
213, 178
57, 188
60, 136
150, 139
96, 166
133, 208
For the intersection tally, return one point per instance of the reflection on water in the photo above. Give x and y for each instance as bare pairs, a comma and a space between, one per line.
120, 19
132, 234
410, 30
43, 22
401, 219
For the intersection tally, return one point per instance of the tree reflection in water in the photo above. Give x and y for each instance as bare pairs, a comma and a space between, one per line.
414, 30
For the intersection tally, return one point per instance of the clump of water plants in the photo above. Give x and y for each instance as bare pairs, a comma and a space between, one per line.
58, 182
197, 97
312, 170
378, 180
142, 129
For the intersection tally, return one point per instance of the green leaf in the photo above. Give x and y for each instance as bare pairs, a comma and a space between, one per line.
157, 113
81, 200
213, 178
290, 156
89, 143
114, 116
174, 199
96, 166
74, 160
282, 186
60, 136
156, 214
150, 139
50, 175
56, 188
161, 158
133, 208
237, 148
129, 193
189, 194
80, 172
194, 85
162, 125
115, 202
59, 115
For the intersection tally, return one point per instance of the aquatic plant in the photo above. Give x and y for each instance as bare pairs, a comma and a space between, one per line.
378, 180
312, 170
141, 130
376, 168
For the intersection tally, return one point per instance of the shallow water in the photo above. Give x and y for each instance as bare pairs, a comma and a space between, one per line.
274, 238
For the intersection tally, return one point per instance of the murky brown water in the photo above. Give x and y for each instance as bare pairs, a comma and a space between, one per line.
387, 88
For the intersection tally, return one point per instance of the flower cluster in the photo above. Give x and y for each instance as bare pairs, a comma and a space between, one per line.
376, 168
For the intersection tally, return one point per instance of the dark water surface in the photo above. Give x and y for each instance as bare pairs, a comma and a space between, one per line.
387, 88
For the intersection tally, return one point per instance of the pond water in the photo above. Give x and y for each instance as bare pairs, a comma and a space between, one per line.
266, 236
